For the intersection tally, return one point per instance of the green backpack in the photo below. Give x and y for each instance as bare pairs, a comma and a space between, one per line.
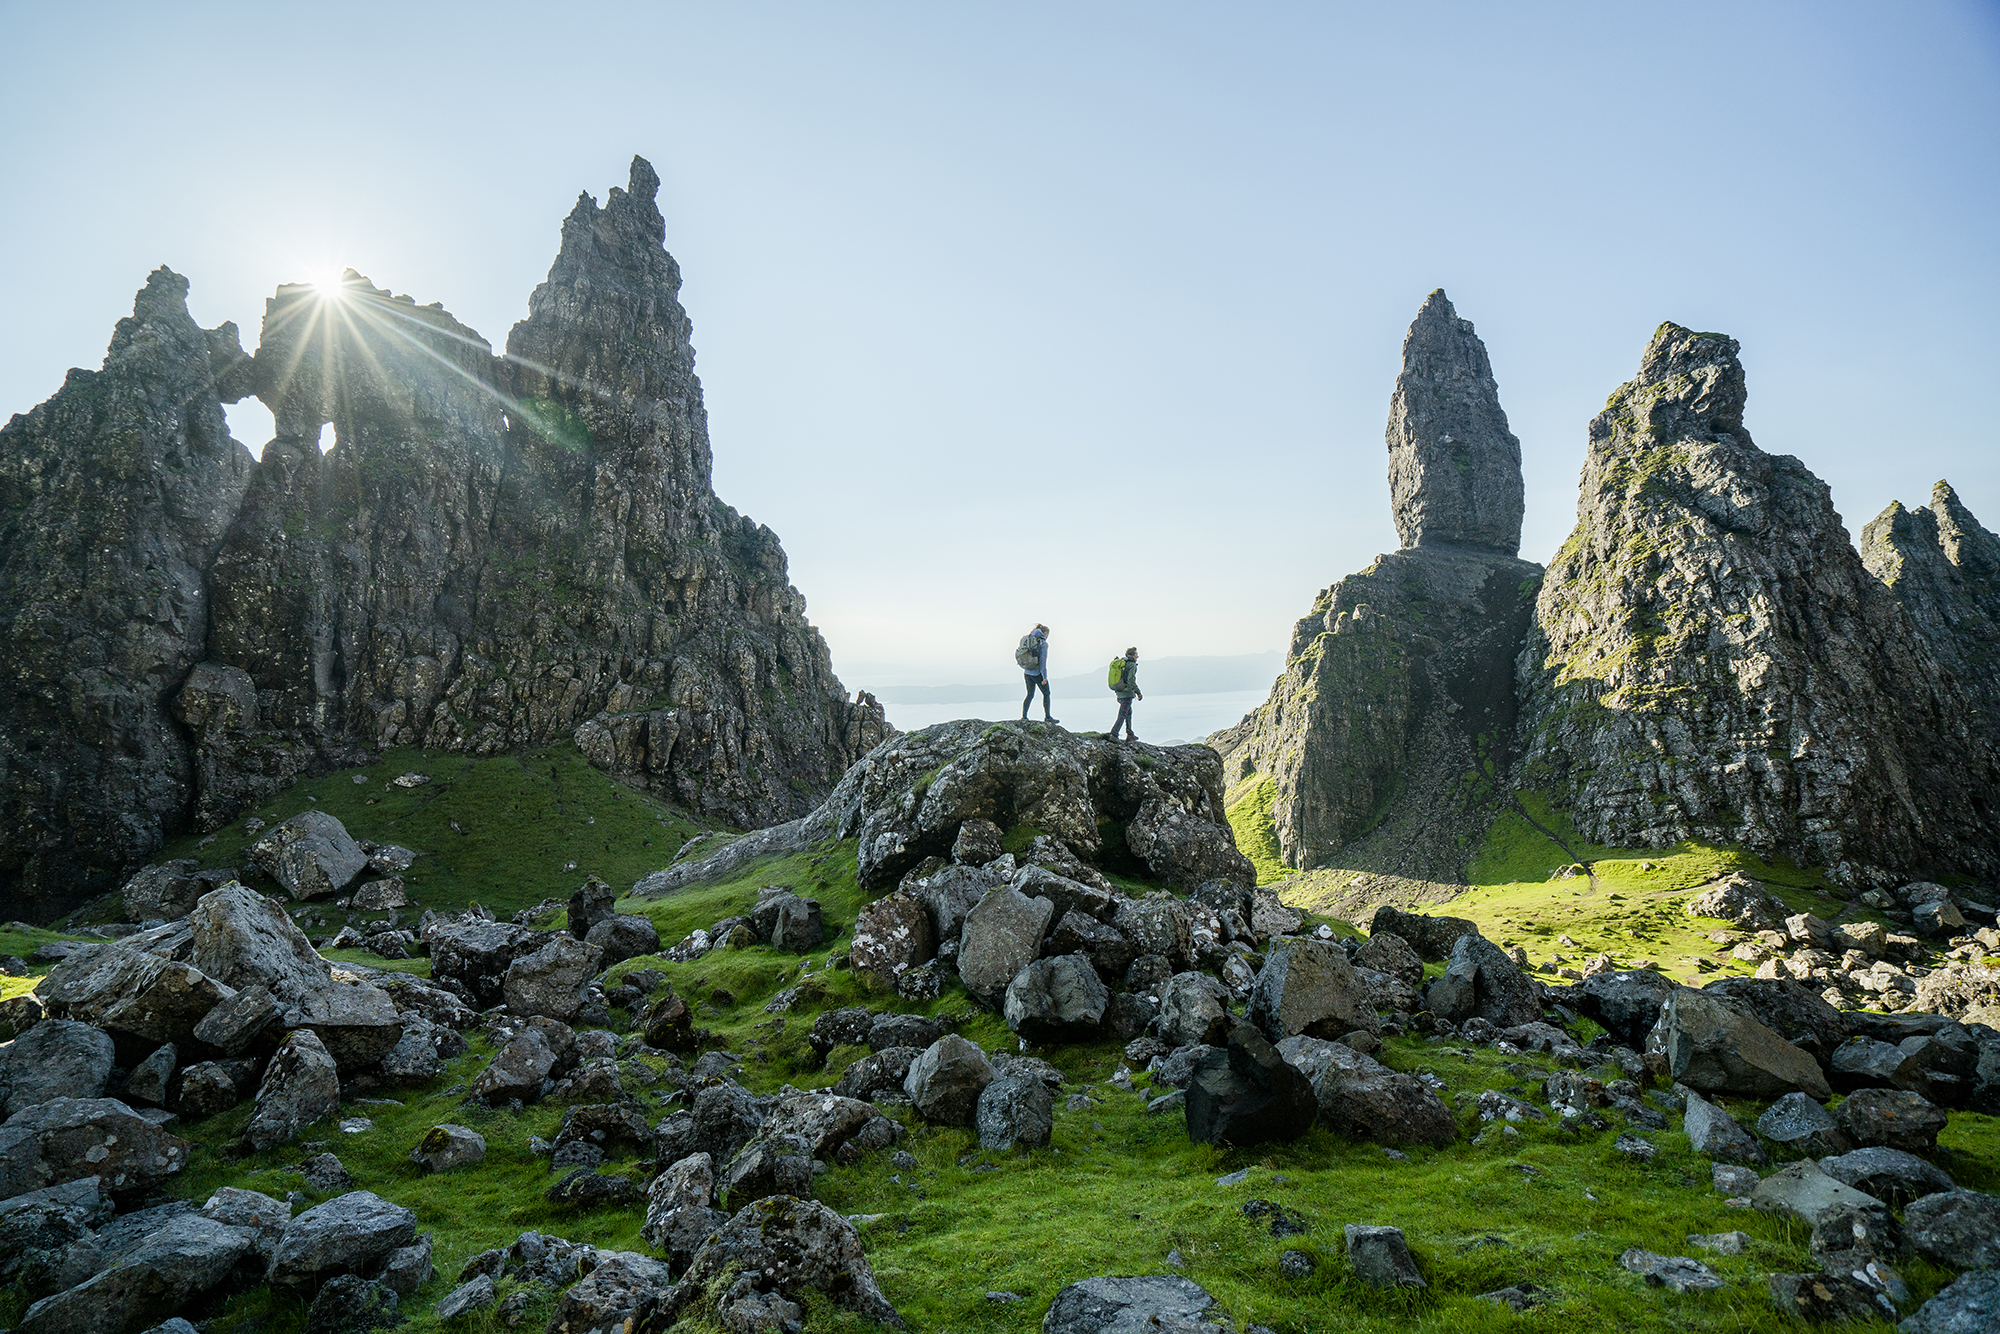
1116, 676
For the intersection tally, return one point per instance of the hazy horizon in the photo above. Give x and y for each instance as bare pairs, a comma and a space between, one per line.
1089, 316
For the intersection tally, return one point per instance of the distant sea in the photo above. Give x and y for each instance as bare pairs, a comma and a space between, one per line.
1157, 718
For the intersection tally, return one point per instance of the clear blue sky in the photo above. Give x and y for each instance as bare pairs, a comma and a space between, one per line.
1078, 313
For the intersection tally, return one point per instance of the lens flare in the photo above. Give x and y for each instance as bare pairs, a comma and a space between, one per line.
331, 283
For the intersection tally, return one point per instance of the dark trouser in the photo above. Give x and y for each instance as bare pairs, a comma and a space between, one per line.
1033, 681
1124, 717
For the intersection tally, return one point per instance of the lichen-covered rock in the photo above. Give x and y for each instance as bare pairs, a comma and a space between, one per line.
131, 993
242, 939
1014, 1110
623, 936
159, 1272
1309, 987
891, 936
1002, 935
56, 1059
1480, 981
944, 1083
1960, 1228
114, 495
1360, 1097
301, 1087
550, 981
475, 954
310, 855
447, 1146
1891, 1118
1711, 660
1056, 1000
67, 1139
1117, 1305
349, 1234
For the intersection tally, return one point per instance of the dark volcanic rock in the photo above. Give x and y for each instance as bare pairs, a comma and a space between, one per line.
1115, 1305
1246, 1093
790, 1246
1454, 467
1943, 566
1707, 617
67, 1139
114, 496
1627, 1004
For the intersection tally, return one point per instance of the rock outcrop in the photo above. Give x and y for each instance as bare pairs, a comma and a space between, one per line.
114, 496
494, 552
1943, 566
1711, 660
1382, 741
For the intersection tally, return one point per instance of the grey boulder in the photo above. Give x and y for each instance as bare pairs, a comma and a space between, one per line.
1245, 1093
1480, 981
444, 1147
1971, 1305
1960, 1228
301, 1087
131, 993
1381, 1257
1892, 1118
945, 1082
1147, 1304
165, 1268
1713, 1132
57, 1058
1056, 1000
624, 936
1797, 1122
1890, 1175
1362, 1098
311, 855
1802, 1190
350, 1234
892, 935
1002, 935
550, 981
791, 1246
68, 1139
1714, 1048
1014, 1110
1194, 1011
1309, 987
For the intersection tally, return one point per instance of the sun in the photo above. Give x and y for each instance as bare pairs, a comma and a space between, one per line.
330, 283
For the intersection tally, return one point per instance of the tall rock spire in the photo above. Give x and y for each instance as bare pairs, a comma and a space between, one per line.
1454, 467
1712, 662
1375, 751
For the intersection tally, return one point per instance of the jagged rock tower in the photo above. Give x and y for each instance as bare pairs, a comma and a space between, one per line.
1711, 661
1944, 568
1382, 745
496, 552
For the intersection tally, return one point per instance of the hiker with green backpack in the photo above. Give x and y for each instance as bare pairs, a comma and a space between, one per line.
1123, 678
1032, 656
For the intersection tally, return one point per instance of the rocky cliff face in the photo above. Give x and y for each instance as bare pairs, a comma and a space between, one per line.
495, 552
1710, 659
114, 495
1944, 569
1385, 737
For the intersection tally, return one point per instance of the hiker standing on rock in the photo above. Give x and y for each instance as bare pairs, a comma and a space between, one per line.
1033, 656
1123, 678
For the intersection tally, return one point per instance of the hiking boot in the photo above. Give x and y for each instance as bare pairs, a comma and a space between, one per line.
1050, 721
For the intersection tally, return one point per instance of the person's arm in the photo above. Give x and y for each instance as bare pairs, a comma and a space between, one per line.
1132, 679
1045, 657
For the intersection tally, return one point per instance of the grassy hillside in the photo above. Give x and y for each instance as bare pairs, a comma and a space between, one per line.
506, 832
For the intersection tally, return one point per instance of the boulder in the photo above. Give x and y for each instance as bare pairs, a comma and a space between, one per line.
1801, 1190
902, 1030
447, 1146
1626, 1003
892, 935
1739, 901
877, 1072
1863, 1062
1970, 1305
166, 891
1828, 1298
474, 955
1056, 1000
1105, 946
57, 1058
821, 1121
785, 1247
310, 855
349, 1234
68, 1139
846, 1027
1889, 1175
1386, 952
945, 1082
350, 1304
301, 1087
235, 1025
1433, 938
207, 1089
978, 842
20, 1013
687, 1184
1892, 1118
593, 902
1715, 1134
1960, 1228
611, 1294
670, 1025
130, 993
1795, 1012
1194, 1010
1245, 1093
626, 936
784, 921
1154, 1302
1480, 981
1381, 1257
163, 1270
1002, 935
242, 939
550, 981
1308, 987
723, 1118
1014, 1110
250, 1209
588, 1188
1096, 899
1156, 926
1712, 1047
519, 1069
1361, 1098
151, 1079
1799, 1123
355, 1021
1675, 1273
416, 1058
384, 895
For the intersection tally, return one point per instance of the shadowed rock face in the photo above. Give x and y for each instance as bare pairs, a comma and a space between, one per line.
495, 552
1711, 660
1454, 467
1944, 568
114, 495
1399, 682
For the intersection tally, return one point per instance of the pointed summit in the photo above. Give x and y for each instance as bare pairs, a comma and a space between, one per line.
1454, 467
